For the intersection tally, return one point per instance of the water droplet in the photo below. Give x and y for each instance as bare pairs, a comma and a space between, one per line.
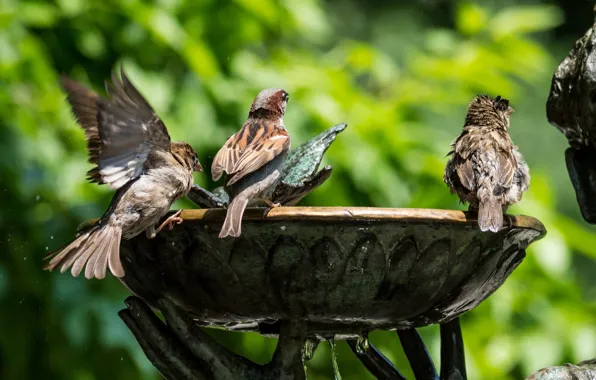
52, 237
173, 243
334, 360
362, 344
283, 228
37, 197
47, 248
25, 258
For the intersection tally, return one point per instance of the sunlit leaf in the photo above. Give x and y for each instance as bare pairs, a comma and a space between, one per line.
38, 14
525, 19
470, 18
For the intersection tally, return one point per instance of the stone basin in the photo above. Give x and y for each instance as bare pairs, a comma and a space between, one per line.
344, 270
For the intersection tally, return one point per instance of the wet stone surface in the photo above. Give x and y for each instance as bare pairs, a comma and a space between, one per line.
571, 108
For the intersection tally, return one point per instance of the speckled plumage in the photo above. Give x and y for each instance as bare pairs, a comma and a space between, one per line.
134, 155
253, 157
485, 169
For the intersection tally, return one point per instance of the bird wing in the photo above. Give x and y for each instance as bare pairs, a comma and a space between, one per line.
125, 130
225, 157
505, 159
463, 146
506, 170
83, 103
257, 143
465, 172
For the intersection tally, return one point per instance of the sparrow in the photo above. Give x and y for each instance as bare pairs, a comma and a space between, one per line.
133, 154
486, 169
253, 158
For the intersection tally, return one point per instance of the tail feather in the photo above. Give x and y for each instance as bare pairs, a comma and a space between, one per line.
98, 257
91, 251
101, 265
114, 256
84, 255
490, 215
87, 254
233, 224
61, 255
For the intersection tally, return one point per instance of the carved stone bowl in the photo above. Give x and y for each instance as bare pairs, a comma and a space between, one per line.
344, 270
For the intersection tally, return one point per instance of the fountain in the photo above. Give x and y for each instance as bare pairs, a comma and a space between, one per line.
307, 274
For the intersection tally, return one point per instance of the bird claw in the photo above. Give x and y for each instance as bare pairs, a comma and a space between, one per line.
270, 205
171, 221
273, 205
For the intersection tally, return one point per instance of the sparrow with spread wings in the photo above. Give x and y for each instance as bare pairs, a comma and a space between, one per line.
133, 154
253, 158
485, 168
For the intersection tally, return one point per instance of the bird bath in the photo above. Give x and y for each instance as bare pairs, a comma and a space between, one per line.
304, 274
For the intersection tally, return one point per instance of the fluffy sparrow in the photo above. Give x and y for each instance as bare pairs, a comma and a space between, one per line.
485, 168
253, 158
134, 155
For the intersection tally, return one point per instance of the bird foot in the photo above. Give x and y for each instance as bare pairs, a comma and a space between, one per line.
270, 205
171, 221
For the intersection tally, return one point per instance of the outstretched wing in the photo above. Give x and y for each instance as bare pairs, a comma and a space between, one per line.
121, 130
257, 143
83, 103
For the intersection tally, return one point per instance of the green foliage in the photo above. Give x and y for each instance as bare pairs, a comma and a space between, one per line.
398, 79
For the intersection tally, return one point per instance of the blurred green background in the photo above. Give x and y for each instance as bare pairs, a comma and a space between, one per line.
399, 72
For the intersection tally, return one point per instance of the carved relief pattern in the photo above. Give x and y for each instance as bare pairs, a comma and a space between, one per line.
350, 276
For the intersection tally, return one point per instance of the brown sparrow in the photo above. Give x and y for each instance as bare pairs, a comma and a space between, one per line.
253, 158
485, 168
134, 155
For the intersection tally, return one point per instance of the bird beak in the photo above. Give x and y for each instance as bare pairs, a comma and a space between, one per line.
198, 167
